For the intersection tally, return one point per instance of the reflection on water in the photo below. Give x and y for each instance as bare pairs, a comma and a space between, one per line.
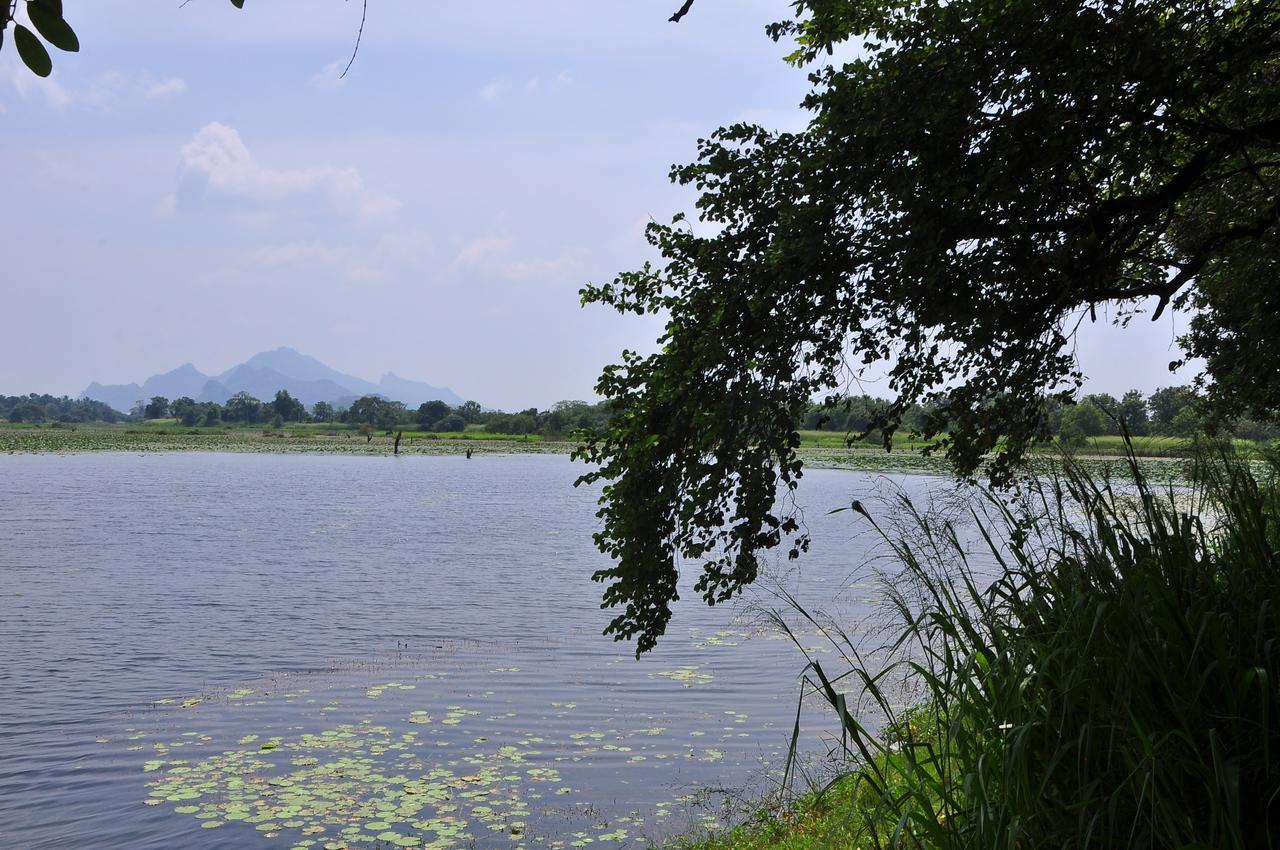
324, 652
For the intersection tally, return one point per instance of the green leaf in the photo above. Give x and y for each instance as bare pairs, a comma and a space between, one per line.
50, 24
239, 4
54, 6
33, 54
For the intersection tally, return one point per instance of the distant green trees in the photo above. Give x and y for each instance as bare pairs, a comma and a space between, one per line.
379, 412
27, 412
561, 420
1170, 411
186, 410
288, 408
47, 408
452, 423
157, 408
431, 412
242, 407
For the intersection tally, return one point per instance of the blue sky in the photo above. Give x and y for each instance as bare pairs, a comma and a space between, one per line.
199, 185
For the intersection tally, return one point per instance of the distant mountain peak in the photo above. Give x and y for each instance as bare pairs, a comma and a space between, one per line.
283, 368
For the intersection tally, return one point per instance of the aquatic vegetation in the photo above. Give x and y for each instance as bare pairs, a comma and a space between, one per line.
687, 675
332, 784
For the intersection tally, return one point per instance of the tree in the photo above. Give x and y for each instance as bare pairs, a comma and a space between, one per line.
1133, 413
1166, 403
1082, 420
376, 411
470, 411
157, 408
322, 411
968, 190
27, 412
450, 423
288, 408
242, 407
431, 412
185, 410
1108, 411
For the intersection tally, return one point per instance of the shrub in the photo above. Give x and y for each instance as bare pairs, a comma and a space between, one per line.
451, 423
1116, 685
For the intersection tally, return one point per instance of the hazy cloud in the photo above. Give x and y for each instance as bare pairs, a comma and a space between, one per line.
27, 85
494, 90
216, 164
168, 87
329, 78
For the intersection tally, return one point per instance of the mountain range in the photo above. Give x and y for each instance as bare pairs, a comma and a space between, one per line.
304, 377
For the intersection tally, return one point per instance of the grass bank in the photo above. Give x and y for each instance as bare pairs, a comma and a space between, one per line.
292, 439
819, 450
1101, 669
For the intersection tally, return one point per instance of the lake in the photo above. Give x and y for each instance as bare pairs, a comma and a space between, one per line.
309, 651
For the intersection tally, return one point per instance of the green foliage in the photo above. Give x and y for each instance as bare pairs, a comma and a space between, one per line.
511, 423
46, 17
1117, 685
470, 411
453, 423
38, 408
376, 411
1132, 411
1082, 420
157, 408
26, 412
430, 412
1166, 404
978, 177
242, 407
322, 411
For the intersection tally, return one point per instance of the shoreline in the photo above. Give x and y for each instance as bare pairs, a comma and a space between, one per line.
90, 440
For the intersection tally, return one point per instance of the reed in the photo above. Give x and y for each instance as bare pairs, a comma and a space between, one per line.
1102, 672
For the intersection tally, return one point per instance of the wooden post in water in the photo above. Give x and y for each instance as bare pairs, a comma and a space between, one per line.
399, 434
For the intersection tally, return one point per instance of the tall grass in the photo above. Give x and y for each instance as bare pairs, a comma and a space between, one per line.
1106, 674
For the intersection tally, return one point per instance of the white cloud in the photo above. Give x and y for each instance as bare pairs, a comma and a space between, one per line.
295, 254
480, 252
168, 87
568, 265
27, 84
216, 163
493, 255
494, 90
329, 78
532, 85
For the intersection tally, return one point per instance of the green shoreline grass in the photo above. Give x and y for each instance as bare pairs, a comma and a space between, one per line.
818, 450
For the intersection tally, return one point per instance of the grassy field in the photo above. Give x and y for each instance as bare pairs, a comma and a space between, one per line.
818, 450
168, 436
1106, 445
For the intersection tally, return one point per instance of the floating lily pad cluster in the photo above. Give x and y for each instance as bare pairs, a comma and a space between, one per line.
337, 789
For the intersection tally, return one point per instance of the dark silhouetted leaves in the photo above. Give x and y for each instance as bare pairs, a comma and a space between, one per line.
33, 54
47, 18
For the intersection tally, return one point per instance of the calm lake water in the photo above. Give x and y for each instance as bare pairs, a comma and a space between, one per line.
226, 651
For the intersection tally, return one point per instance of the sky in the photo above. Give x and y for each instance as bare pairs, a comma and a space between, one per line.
199, 184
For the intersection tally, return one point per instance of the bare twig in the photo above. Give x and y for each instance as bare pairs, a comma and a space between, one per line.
364, 10
681, 12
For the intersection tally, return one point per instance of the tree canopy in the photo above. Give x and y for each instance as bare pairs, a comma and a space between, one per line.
981, 179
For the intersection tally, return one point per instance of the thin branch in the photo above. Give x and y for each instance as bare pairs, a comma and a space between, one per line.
364, 10
681, 12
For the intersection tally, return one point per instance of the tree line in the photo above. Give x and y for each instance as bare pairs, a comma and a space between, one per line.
375, 412
47, 408
1177, 411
